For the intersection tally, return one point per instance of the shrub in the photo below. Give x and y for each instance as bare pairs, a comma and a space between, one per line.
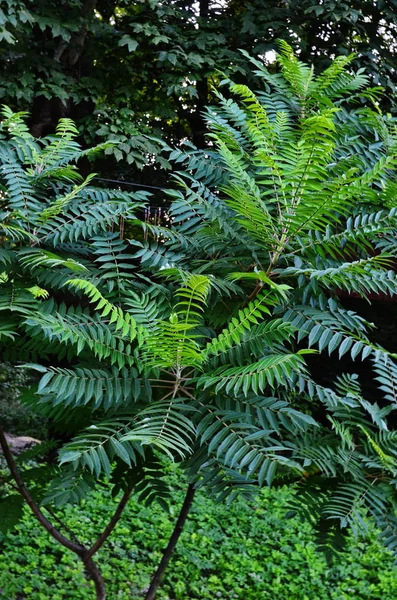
246, 550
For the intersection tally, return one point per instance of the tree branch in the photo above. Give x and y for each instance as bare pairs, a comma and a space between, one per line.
77, 548
111, 525
62, 524
168, 552
95, 574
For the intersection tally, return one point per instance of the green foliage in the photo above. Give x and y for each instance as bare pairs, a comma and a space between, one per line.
264, 555
133, 72
42, 210
307, 218
11, 511
208, 320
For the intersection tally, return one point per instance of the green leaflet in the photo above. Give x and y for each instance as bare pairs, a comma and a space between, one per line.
270, 371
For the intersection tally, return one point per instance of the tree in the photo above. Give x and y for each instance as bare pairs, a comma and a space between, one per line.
129, 71
193, 341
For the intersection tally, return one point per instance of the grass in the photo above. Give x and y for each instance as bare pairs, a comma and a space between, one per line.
246, 551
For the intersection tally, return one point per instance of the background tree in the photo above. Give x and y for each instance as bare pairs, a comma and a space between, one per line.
125, 69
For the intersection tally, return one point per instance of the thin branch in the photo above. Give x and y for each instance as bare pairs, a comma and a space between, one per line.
62, 524
255, 292
110, 526
78, 549
171, 393
95, 574
168, 552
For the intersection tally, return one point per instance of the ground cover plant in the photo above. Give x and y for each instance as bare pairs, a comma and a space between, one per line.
246, 550
194, 341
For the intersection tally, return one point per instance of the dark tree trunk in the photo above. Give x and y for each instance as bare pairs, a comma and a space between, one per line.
198, 122
46, 112
168, 552
95, 574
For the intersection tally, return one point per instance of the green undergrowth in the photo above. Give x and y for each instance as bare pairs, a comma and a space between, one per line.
248, 550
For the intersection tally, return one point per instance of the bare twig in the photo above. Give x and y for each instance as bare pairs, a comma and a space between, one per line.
168, 552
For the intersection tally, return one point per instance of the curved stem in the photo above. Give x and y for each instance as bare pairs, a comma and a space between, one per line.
76, 547
62, 525
168, 552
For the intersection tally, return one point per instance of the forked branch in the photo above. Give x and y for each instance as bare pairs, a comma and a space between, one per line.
75, 545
